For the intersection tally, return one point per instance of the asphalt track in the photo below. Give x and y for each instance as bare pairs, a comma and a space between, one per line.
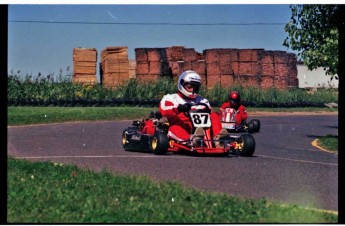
286, 167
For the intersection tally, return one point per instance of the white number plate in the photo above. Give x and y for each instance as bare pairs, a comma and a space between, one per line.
230, 125
200, 119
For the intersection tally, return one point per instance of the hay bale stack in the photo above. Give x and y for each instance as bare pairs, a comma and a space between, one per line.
84, 65
279, 70
151, 64
114, 66
222, 65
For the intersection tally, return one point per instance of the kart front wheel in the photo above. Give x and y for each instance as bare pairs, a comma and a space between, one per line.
256, 124
159, 143
125, 140
247, 145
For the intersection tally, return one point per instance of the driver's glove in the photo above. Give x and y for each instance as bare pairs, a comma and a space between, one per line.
184, 107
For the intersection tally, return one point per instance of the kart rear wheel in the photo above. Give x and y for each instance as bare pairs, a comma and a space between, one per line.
159, 143
247, 145
256, 123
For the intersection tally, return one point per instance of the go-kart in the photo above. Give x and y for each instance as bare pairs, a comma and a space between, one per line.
150, 135
229, 123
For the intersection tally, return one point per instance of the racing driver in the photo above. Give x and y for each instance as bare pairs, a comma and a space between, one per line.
233, 108
174, 108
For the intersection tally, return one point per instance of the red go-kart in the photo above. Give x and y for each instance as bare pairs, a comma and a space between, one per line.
229, 122
150, 135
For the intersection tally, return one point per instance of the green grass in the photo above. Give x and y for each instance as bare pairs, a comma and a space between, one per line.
329, 142
47, 192
37, 115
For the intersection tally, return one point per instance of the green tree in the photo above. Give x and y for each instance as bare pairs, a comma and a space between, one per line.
314, 32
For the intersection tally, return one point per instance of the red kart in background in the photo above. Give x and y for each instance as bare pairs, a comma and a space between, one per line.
229, 123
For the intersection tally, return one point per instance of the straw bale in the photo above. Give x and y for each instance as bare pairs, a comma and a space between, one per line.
203, 80
226, 69
84, 70
293, 82
174, 68
267, 69
84, 64
85, 57
200, 56
247, 80
257, 54
141, 54
85, 54
154, 54
235, 68
245, 55
280, 82
160, 68
267, 57
175, 53
142, 68
226, 80
213, 68
280, 57
115, 66
184, 66
147, 78
248, 68
116, 75
189, 54
281, 70
211, 55
199, 67
291, 59
267, 81
213, 80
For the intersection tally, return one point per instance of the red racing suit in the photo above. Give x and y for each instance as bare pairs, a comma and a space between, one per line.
240, 114
180, 125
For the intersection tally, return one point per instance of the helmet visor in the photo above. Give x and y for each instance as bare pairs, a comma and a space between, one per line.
193, 87
235, 101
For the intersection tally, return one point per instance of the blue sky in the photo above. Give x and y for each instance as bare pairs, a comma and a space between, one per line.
48, 47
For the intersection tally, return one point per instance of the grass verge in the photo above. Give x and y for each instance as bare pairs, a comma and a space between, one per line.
37, 115
47, 192
329, 142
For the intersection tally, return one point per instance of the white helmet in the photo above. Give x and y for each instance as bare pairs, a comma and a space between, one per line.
189, 77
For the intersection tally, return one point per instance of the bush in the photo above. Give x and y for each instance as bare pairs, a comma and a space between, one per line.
33, 91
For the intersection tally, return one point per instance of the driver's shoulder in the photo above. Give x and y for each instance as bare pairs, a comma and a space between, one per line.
170, 96
225, 104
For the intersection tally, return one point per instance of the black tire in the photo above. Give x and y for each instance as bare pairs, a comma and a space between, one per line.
251, 128
159, 143
125, 140
247, 145
256, 123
